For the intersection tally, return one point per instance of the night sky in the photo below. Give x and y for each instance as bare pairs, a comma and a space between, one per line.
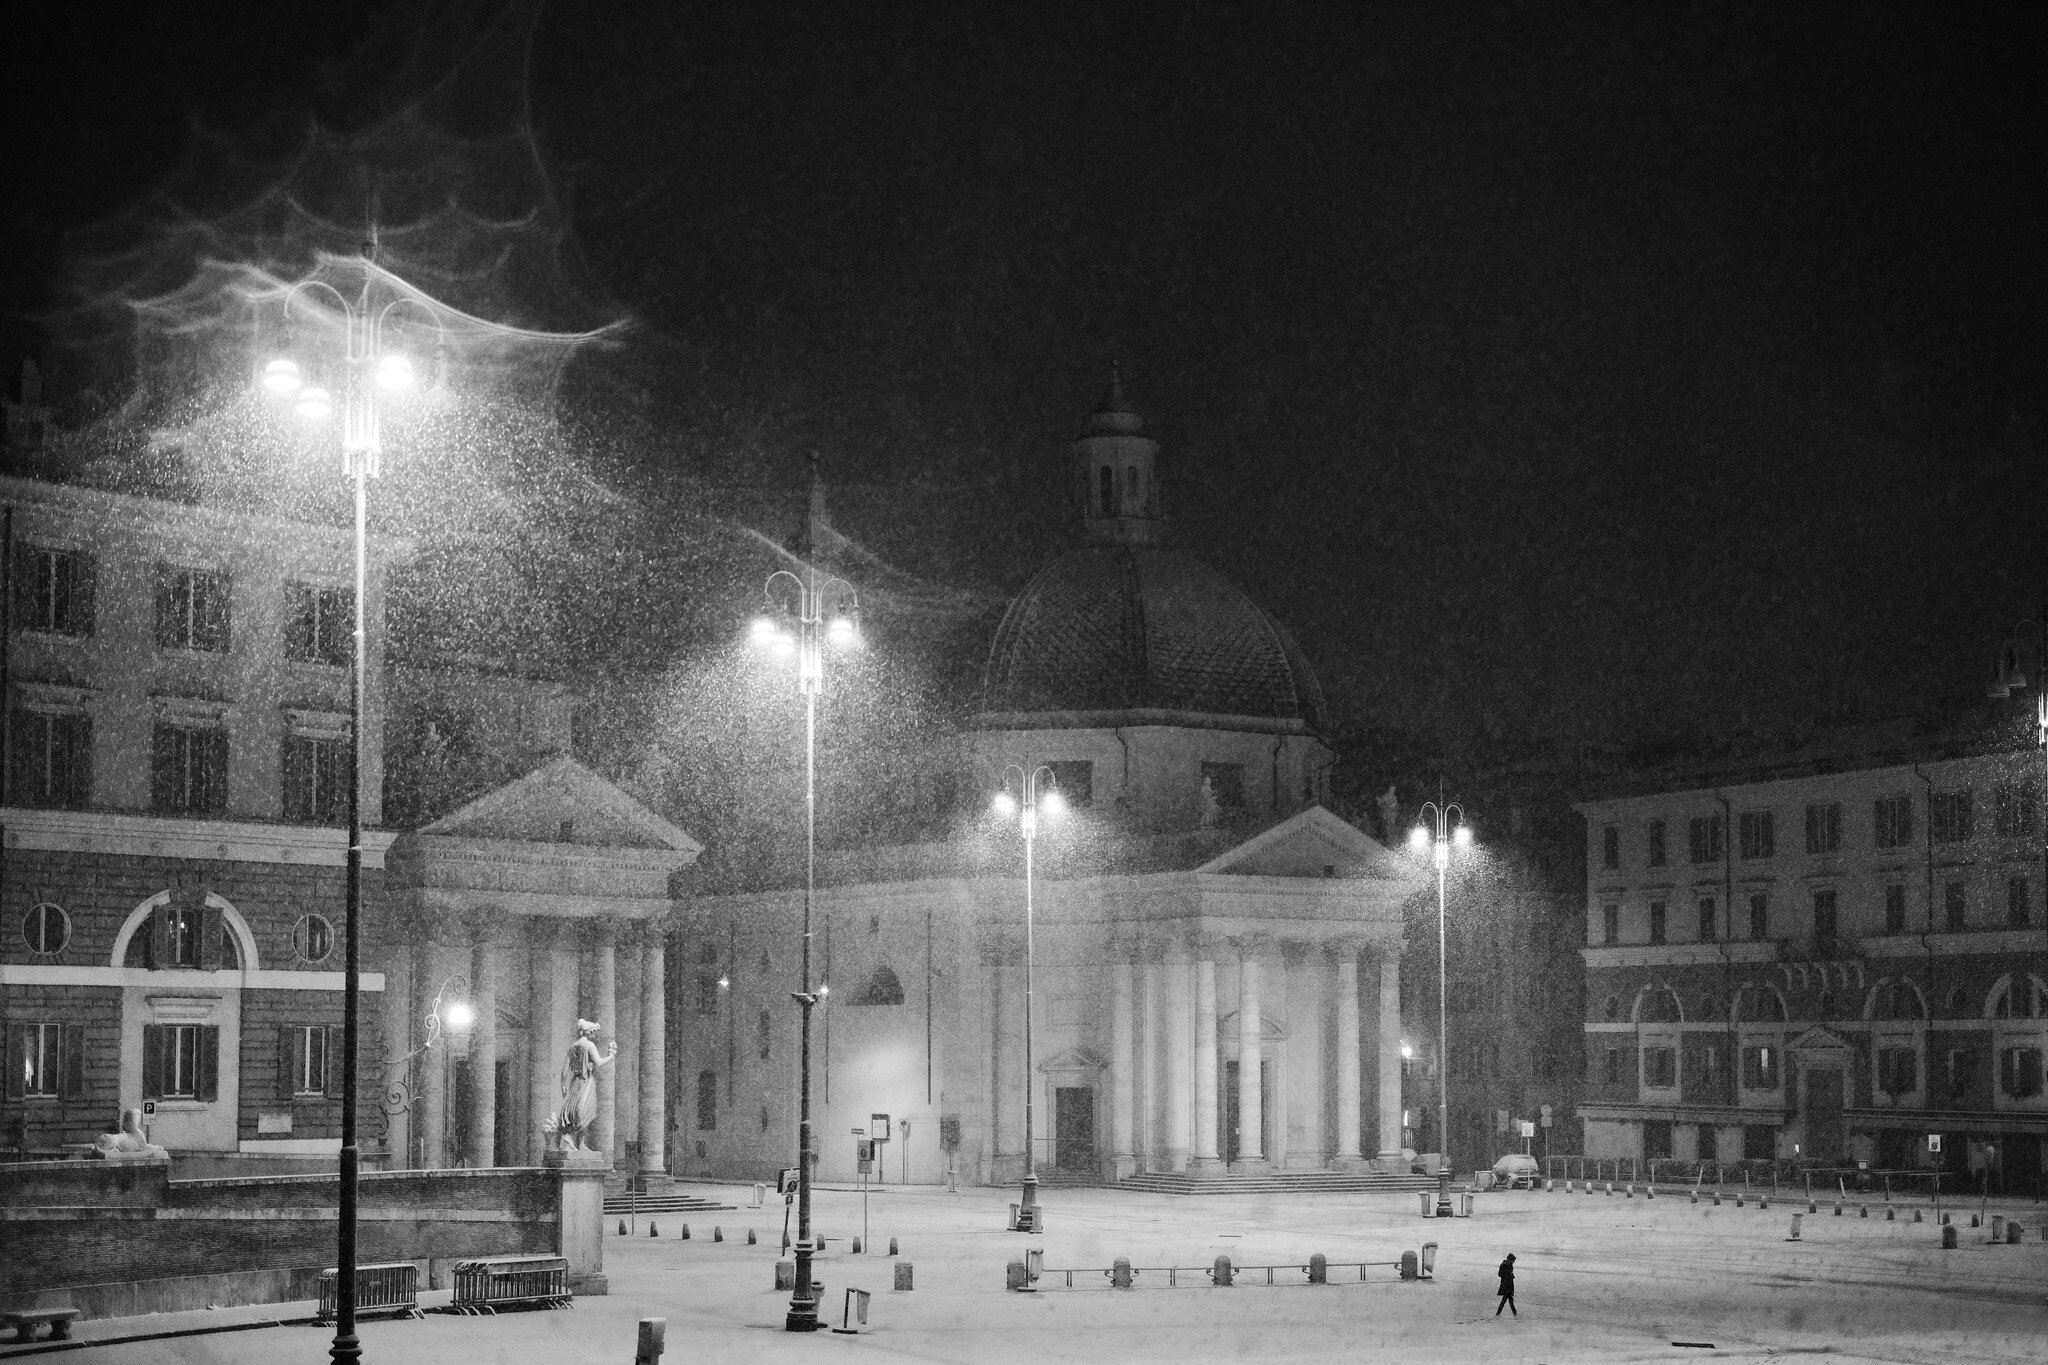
1554, 372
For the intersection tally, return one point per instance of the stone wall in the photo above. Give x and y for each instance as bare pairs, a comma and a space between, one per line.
113, 1239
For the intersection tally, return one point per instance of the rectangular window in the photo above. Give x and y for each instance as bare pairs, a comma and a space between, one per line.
1759, 917
1656, 1139
1224, 782
1759, 834
1614, 1066
51, 760
1610, 925
189, 770
1954, 907
2018, 906
45, 1061
191, 609
1760, 1068
1949, 816
1962, 1070
315, 774
1610, 847
2019, 1072
2017, 809
1824, 923
1709, 929
1892, 821
53, 590
1660, 1067
309, 1060
1074, 779
319, 623
1707, 833
1824, 827
1656, 843
707, 1101
1895, 908
1898, 1070
180, 1061
1656, 921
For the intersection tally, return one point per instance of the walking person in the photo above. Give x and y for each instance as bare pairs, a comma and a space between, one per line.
1507, 1287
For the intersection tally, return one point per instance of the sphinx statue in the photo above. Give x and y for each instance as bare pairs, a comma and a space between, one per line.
130, 1144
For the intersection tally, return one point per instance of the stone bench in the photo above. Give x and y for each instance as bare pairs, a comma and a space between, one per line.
27, 1320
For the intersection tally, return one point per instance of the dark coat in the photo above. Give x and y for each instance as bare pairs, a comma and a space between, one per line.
1507, 1276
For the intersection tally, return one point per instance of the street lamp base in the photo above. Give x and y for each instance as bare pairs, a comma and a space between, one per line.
803, 1316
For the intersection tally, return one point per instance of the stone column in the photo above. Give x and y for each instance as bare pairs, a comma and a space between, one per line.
1390, 1059
1007, 1081
1122, 1089
545, 1051
396, 1008
483, 1047
1205, 1160
653, 1048
1251, 1099
1349, 1100
1305, 1094
1151, 1006
1180, 1058
432, 1103
601, 959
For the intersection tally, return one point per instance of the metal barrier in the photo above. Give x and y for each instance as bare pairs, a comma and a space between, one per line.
1112, 1277
391, 1287
485, 1286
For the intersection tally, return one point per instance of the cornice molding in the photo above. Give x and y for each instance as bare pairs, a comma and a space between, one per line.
156, 836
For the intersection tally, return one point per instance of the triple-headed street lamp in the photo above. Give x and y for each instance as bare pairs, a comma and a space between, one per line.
1037, 789
1420, 838
805, 615
372, 372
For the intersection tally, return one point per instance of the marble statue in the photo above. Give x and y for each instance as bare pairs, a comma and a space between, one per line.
130, 1144
579, 1087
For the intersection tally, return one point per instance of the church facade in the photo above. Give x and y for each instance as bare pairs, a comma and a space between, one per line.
1214, 960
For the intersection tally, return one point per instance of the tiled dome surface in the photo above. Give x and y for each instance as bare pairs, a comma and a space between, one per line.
1125, 628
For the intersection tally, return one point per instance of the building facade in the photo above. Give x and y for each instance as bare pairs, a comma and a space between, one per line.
1835, 958
1217, 958
177, 765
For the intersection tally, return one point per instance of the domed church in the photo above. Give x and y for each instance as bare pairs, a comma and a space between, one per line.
1215, 957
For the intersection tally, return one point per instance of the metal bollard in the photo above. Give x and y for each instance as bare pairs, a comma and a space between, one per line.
1795, 1227
1812, 1206
1763, 1201
1717, 1199
1120, 1273
622, 1227
1220, 1276
1998, 1227
1891, 1215
856, 1246
1949, 1239
1863, 1210
2014, 1233
903, 1269
686, 1233
717, 1232
1630, 1192
750, 1237
652, 1231
653, 1332
1916, 1215
1410, 1267
1976, 1220
1318, 1268
760, 1195
892, 1247
1610, 1188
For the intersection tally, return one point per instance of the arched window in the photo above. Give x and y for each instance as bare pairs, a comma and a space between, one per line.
1761, 1005
1658, 1005
882, 989
1895, 1000
2020, 999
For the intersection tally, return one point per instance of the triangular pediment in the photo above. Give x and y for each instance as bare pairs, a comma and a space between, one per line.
564, 803
1074, 1059
1818, 1039
1311, 843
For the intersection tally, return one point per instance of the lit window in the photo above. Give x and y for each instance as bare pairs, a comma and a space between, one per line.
45, 1061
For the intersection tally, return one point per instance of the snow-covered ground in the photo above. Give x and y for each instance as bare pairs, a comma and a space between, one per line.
1599, 1278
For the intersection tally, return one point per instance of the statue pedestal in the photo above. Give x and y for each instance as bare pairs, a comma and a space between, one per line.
582, 1176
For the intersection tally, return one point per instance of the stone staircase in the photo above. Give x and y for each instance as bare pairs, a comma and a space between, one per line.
1281, 1182
660, 1196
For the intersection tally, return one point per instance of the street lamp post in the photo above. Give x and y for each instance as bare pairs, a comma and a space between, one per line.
1419, 838
1029, 782
370, 373
819, 612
